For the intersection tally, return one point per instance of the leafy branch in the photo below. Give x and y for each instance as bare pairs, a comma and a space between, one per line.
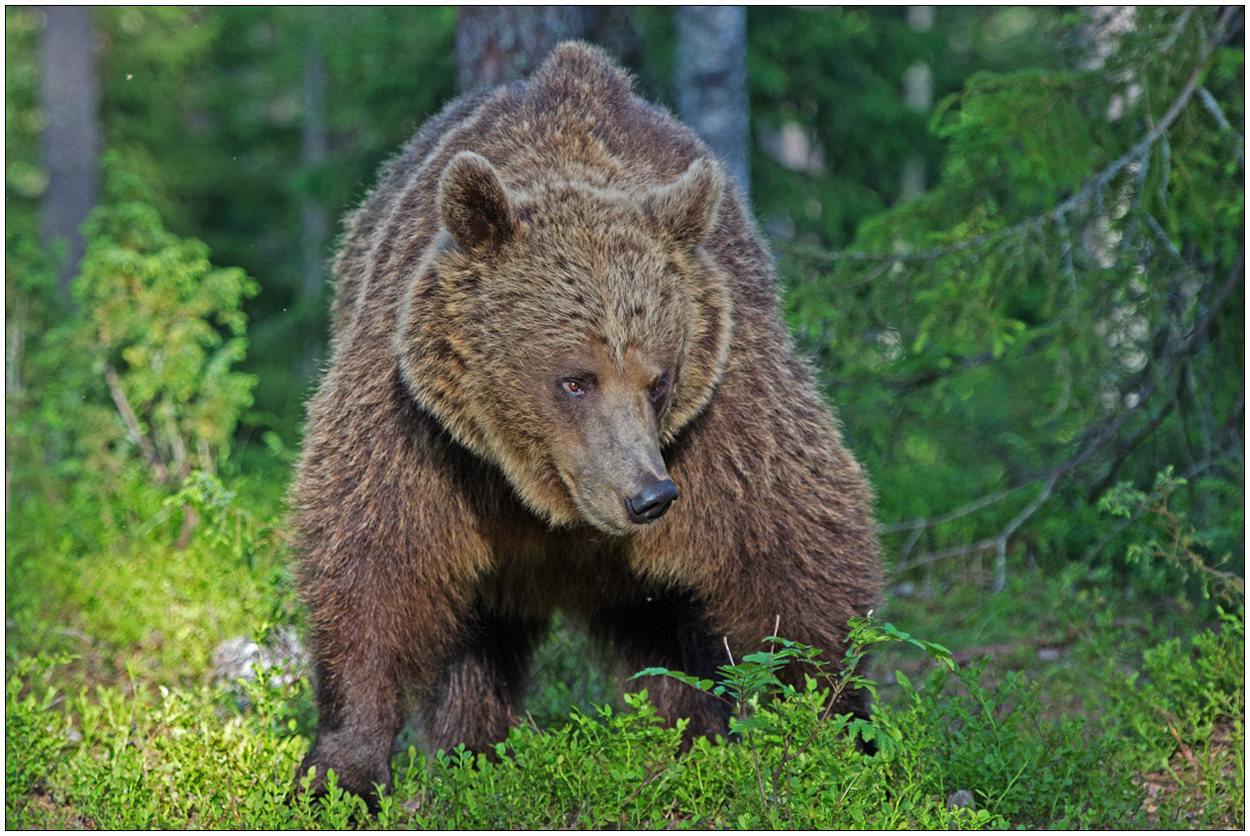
1177, 543
743, 684
229, 525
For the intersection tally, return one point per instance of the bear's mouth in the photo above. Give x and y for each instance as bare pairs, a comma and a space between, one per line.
610, 512
623, 517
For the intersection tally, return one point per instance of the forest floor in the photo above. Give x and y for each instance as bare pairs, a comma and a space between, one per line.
1069, 705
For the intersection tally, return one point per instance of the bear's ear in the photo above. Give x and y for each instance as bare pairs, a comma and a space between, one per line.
685, 210
473, 204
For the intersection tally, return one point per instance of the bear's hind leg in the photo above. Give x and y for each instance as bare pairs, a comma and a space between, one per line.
666, 629
472, 700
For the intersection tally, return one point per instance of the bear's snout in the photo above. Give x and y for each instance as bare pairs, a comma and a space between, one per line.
651, 502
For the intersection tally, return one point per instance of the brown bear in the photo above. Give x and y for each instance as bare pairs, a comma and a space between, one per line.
560, 381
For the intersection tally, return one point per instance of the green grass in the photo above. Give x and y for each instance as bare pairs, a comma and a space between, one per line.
1073, 705
122, 598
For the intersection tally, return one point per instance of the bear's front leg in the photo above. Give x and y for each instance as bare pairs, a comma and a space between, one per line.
372, 645
666, 628
359, 717
385, 612
390, 552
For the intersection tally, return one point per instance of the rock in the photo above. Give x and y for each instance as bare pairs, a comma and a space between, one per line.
234, 659
961, 800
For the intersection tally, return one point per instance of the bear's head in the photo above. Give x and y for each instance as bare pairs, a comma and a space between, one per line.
568, 332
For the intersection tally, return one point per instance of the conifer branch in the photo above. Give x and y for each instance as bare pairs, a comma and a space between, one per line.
1081, 197
1213, 107
1097, 438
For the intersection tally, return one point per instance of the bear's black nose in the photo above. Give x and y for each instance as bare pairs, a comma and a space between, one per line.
651, 502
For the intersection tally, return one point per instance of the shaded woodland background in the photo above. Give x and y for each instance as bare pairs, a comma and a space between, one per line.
1011, 239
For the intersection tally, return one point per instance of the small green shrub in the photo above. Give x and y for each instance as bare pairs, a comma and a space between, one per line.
1184, 688
995, 743
1181, 721
742, 685
152, 315
1168, 542
35, 734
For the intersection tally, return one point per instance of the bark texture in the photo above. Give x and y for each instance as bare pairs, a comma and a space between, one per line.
70, 143
711, 82
502, 44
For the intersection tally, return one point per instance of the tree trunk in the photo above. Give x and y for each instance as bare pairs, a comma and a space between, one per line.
314, 221
501, 44
711, 82
70, 142
918, 97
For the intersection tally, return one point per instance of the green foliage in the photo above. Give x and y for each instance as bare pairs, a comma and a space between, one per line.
1184, 688
835, 75
741, 684
228, 527
24, 177
38, 732
1170, 540
786, 733
141, 373
1182, 717
563, 677
241, 177
142, 602
167, 749
172, 758
151, 63
1060, 312
110, 405
155, 311
179, 757
993, 742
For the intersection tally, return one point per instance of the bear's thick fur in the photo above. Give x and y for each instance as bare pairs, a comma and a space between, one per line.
552, 305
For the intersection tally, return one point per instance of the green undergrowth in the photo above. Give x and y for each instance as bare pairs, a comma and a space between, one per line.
188, 757
115, 591
1159, 742
1062, 702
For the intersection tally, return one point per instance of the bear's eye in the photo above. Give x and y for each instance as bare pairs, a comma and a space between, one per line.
574, 387
659, 389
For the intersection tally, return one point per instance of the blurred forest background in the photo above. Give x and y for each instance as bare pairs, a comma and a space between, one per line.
1012, 239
